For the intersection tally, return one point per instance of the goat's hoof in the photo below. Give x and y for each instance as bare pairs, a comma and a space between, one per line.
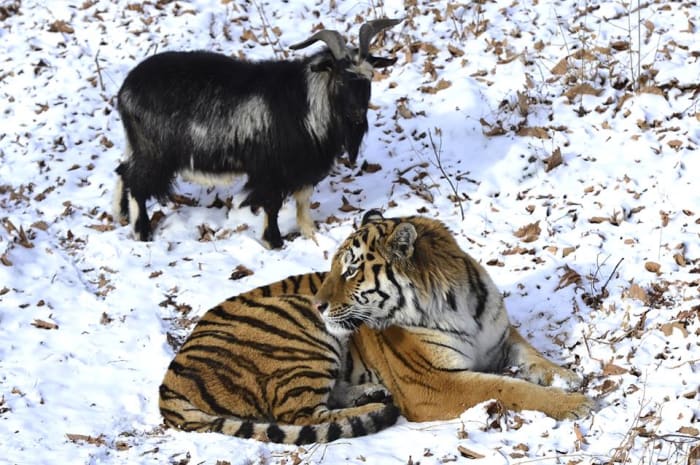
272, 244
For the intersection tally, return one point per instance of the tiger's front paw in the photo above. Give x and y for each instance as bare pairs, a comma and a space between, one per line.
573, 406
548, 374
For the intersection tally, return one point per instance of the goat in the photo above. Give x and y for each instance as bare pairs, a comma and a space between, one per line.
281, 122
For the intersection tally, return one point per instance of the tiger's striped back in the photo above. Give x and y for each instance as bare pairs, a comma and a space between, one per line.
264, 367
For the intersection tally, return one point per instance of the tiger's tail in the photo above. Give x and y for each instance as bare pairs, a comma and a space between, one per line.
332, 424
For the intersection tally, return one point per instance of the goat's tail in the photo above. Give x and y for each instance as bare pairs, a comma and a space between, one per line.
335, 424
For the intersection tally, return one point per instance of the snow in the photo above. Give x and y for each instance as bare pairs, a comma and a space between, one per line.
608, 287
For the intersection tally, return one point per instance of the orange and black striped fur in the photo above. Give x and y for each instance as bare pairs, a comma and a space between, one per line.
265, 367
436, 332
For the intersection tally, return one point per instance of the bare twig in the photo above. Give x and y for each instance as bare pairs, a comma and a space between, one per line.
99, 70
602, 289
437, 152
266, 26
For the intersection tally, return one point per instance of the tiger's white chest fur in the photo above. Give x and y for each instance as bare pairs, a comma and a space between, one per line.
467, 331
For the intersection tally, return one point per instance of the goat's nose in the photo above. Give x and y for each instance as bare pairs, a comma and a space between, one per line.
321, 306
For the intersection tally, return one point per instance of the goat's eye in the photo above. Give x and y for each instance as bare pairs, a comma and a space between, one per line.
350, 271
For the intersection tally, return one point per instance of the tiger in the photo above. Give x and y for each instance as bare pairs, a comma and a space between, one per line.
430, 325
267, 368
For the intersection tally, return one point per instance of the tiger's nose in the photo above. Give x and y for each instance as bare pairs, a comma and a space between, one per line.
321, 307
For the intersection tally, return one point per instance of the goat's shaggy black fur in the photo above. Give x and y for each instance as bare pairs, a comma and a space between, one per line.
283, 123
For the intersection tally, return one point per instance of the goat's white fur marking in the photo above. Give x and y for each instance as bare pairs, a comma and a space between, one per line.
304, 220
319, 114
117, 199
209, 179
119, 186
246, 122
133, 211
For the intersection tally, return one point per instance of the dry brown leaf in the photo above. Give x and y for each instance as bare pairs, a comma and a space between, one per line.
98, 441
105, 319
689, 430
240, 272
468, 453
675, 144
636, 292
368, 168
667, 328
248, 35
492, 130
582, 89
442, 84
597, 219
620, 45
61, 26
561, 67
404, 111
347, 207
41, 324
680, 259
101, 227
454, 51
528, 131
41, 225
553, 161
567, 251
529, 233
652, 267
569, 277
610, 369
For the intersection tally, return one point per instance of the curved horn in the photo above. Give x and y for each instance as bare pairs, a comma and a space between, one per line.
333, 39
371, 29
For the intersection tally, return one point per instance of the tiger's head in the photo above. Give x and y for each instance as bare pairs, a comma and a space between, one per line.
387, 273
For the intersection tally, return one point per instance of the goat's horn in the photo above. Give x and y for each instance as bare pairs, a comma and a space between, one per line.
335, 42
371, 29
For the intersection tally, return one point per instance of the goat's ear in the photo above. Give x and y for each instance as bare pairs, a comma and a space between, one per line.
372, 216
400, 242
323, 65
380, 62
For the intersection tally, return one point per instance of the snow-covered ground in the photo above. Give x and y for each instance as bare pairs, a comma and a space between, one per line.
567, 132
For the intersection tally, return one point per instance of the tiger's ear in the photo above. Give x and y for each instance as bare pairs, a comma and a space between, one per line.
400, 242
372, 216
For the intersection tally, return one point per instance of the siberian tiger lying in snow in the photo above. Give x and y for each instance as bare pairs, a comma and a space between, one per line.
266, 364
451, 335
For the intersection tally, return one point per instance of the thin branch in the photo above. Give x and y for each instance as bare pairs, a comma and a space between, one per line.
99, 70
602, 290
266, 26
437, 151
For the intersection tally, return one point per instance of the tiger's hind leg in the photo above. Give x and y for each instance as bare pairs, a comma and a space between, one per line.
534, 367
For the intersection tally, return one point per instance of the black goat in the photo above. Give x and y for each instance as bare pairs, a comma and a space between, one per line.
281, 122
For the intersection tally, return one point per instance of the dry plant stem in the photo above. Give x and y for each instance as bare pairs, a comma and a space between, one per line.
437, 152
602, 290
99, 70
265, 25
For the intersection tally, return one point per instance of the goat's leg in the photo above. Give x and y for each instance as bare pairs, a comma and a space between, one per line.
139, 215
120, 207
304, 220
272, 238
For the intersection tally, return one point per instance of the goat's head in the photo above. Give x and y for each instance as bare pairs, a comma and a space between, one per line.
351, 70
